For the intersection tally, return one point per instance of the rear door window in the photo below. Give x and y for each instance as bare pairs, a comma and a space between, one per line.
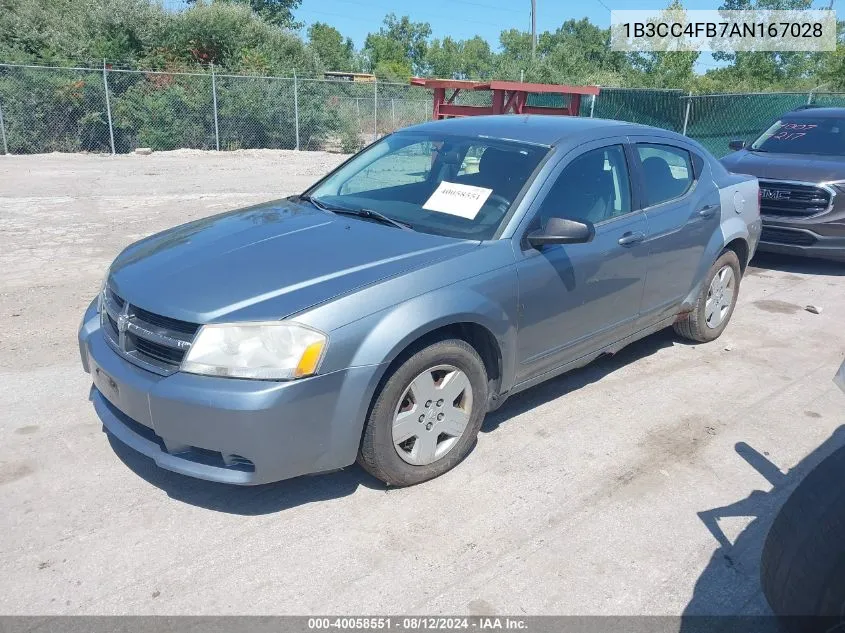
667, 172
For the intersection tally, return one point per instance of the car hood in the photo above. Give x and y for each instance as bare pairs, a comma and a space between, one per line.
267, 262
810, 168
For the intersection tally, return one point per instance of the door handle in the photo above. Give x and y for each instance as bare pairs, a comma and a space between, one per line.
631, 238
706, 212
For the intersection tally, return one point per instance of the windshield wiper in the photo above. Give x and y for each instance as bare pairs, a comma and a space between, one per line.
372, 215
315, 201
361, 213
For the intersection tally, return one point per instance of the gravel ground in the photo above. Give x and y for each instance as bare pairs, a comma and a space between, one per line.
597, 492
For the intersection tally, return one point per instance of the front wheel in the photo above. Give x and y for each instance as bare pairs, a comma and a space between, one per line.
716, 301
427, 415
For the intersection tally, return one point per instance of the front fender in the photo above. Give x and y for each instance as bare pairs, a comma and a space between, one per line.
489, 301
376, 340
401, 326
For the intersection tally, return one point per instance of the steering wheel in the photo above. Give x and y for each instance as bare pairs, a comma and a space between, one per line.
499, 202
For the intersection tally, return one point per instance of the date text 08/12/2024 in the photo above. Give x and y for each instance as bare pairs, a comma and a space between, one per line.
417, 623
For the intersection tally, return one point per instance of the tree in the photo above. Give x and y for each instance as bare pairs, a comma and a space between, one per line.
765, 70
667, 68
63, 31
397, 72
477, 59
592, 44
399, 41
832, 65
516, 46
577, 52
276, 12
231, 36
334, 52
460, 59
443, 59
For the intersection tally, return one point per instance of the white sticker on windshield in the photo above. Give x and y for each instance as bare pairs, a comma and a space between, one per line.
461, 200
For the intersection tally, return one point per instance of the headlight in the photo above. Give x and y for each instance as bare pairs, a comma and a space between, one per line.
839, 184
274, 350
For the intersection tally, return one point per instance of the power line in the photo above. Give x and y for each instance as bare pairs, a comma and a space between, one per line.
340, 15
485, 6
369, 4
467, 2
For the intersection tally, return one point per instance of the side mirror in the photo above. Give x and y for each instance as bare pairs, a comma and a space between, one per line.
736, 144
562, 231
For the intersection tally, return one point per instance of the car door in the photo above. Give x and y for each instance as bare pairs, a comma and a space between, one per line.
681, 204
576, 298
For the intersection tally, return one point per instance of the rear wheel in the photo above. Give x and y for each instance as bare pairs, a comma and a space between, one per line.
716, 301
427, 415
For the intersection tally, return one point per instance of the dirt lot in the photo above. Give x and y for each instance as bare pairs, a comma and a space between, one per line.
597, 492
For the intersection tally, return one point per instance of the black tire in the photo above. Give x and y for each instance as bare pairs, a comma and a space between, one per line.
802, 570
379, 456
693, 325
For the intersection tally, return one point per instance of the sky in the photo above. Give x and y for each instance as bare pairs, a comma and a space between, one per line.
462, 19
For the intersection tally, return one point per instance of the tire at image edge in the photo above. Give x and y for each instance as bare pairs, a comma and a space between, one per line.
802, 569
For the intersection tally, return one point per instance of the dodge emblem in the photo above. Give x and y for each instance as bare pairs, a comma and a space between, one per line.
122, 326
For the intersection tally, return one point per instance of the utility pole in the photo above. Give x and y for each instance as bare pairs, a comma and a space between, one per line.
533, 29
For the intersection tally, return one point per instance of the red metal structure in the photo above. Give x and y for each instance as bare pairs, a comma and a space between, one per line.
508, 96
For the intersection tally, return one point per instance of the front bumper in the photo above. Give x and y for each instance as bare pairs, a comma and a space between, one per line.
825, 240
228, 430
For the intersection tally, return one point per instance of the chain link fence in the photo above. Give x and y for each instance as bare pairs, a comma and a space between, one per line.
49, 109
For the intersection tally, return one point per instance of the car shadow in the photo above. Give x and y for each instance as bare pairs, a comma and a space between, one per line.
795, 265
581, 377
246, 500
730, 583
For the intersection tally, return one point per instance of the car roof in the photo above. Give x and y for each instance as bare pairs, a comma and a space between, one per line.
538, 129
819, 113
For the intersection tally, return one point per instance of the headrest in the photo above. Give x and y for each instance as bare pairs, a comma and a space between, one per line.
657, 168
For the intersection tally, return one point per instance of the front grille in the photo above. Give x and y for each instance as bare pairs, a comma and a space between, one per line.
786, 236
118, 301
793, 199
161, 353
155, 342
166, 322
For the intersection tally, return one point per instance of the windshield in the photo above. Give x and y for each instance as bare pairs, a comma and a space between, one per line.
825, 136
455, 186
